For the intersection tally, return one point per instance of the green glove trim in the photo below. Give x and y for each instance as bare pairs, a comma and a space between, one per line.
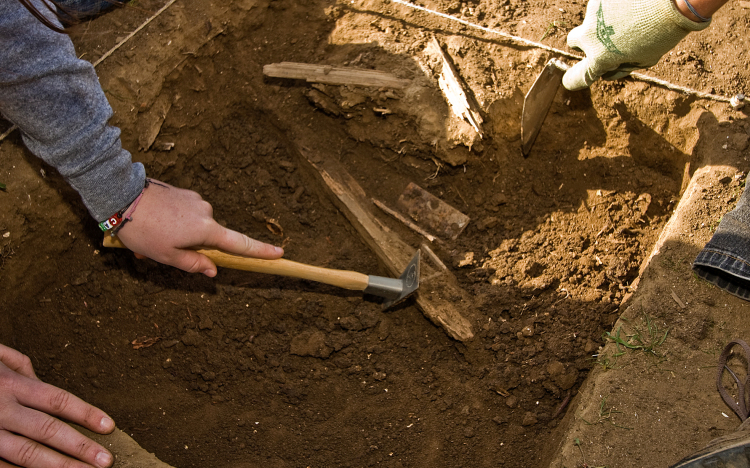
619, 36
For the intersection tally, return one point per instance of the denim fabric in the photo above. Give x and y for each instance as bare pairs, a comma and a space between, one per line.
725, 260
72, 10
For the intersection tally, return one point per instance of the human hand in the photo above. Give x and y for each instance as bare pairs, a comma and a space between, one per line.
620, 36
169, 222
29, 434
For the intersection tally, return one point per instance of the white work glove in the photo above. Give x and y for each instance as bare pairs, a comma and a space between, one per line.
620, 36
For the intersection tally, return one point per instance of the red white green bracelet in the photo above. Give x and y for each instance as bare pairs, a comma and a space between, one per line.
111, 222
117, 220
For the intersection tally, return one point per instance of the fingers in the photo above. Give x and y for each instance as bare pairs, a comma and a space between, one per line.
56, 401
575, 38
239, 244
193, 262
17, 361
23, 451
579, 76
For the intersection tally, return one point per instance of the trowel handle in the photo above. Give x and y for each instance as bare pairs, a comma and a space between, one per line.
341, 278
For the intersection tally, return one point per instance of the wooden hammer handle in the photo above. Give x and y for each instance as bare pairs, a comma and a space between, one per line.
341, 278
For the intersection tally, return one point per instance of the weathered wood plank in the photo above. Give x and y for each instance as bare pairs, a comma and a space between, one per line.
456, 92
327, 74
439, 297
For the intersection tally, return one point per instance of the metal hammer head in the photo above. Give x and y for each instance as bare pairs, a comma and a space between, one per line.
396, 290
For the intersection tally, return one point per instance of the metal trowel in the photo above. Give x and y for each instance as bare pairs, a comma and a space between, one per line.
538, 100
391, 289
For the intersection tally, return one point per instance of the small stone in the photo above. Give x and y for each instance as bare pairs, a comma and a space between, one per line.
351, 323
511, 401
500, 420
529, 419
467, 260
555, 368
192, 338
206, 323
91, 372
310, 344
528, 330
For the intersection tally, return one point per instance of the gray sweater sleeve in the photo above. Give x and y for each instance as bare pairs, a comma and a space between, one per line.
56, 101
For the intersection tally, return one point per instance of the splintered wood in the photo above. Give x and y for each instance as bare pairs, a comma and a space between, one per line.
327, 74
439, 296
460, 99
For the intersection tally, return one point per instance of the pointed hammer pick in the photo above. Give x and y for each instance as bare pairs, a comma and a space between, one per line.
393, 290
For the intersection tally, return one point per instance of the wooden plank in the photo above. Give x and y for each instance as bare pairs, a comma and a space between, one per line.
456, 92
439, 297
327, 74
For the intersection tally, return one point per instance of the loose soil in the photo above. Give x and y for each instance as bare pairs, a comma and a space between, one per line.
254, 370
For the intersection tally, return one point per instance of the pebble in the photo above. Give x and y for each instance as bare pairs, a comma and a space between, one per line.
529, 419
192, 338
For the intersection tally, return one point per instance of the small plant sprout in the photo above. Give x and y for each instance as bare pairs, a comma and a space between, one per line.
552, 28
605, 414
647, 340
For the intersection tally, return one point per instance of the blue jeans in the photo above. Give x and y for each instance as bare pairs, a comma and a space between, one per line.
73, 10
725, 260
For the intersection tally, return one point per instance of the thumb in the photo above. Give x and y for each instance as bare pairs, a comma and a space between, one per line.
193, 262
579, 76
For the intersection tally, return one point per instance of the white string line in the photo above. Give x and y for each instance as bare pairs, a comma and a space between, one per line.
161, 10
520, 40
109, 52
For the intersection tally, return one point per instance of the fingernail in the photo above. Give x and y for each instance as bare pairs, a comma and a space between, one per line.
106, 424
279, 250
103, 459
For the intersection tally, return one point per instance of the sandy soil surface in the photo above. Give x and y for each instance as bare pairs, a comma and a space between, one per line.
257, 370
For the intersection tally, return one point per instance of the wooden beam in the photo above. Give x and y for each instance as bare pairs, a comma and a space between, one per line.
327, 74
439, 296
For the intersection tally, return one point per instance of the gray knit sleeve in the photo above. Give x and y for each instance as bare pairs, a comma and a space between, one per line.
56, 101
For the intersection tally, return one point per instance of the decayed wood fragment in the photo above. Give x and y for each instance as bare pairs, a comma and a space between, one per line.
406, 222
150, 124
432, 212
457, 94
440, 298
327, 74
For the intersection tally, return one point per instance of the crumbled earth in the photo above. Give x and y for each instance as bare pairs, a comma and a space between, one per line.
256, 370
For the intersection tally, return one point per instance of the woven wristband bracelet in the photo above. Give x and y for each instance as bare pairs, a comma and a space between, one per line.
116, 221
692, 10
111, 222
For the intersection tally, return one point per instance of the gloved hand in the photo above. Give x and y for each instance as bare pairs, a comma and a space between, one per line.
620, 36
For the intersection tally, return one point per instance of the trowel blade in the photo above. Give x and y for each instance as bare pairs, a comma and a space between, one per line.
537, 102
410, 280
